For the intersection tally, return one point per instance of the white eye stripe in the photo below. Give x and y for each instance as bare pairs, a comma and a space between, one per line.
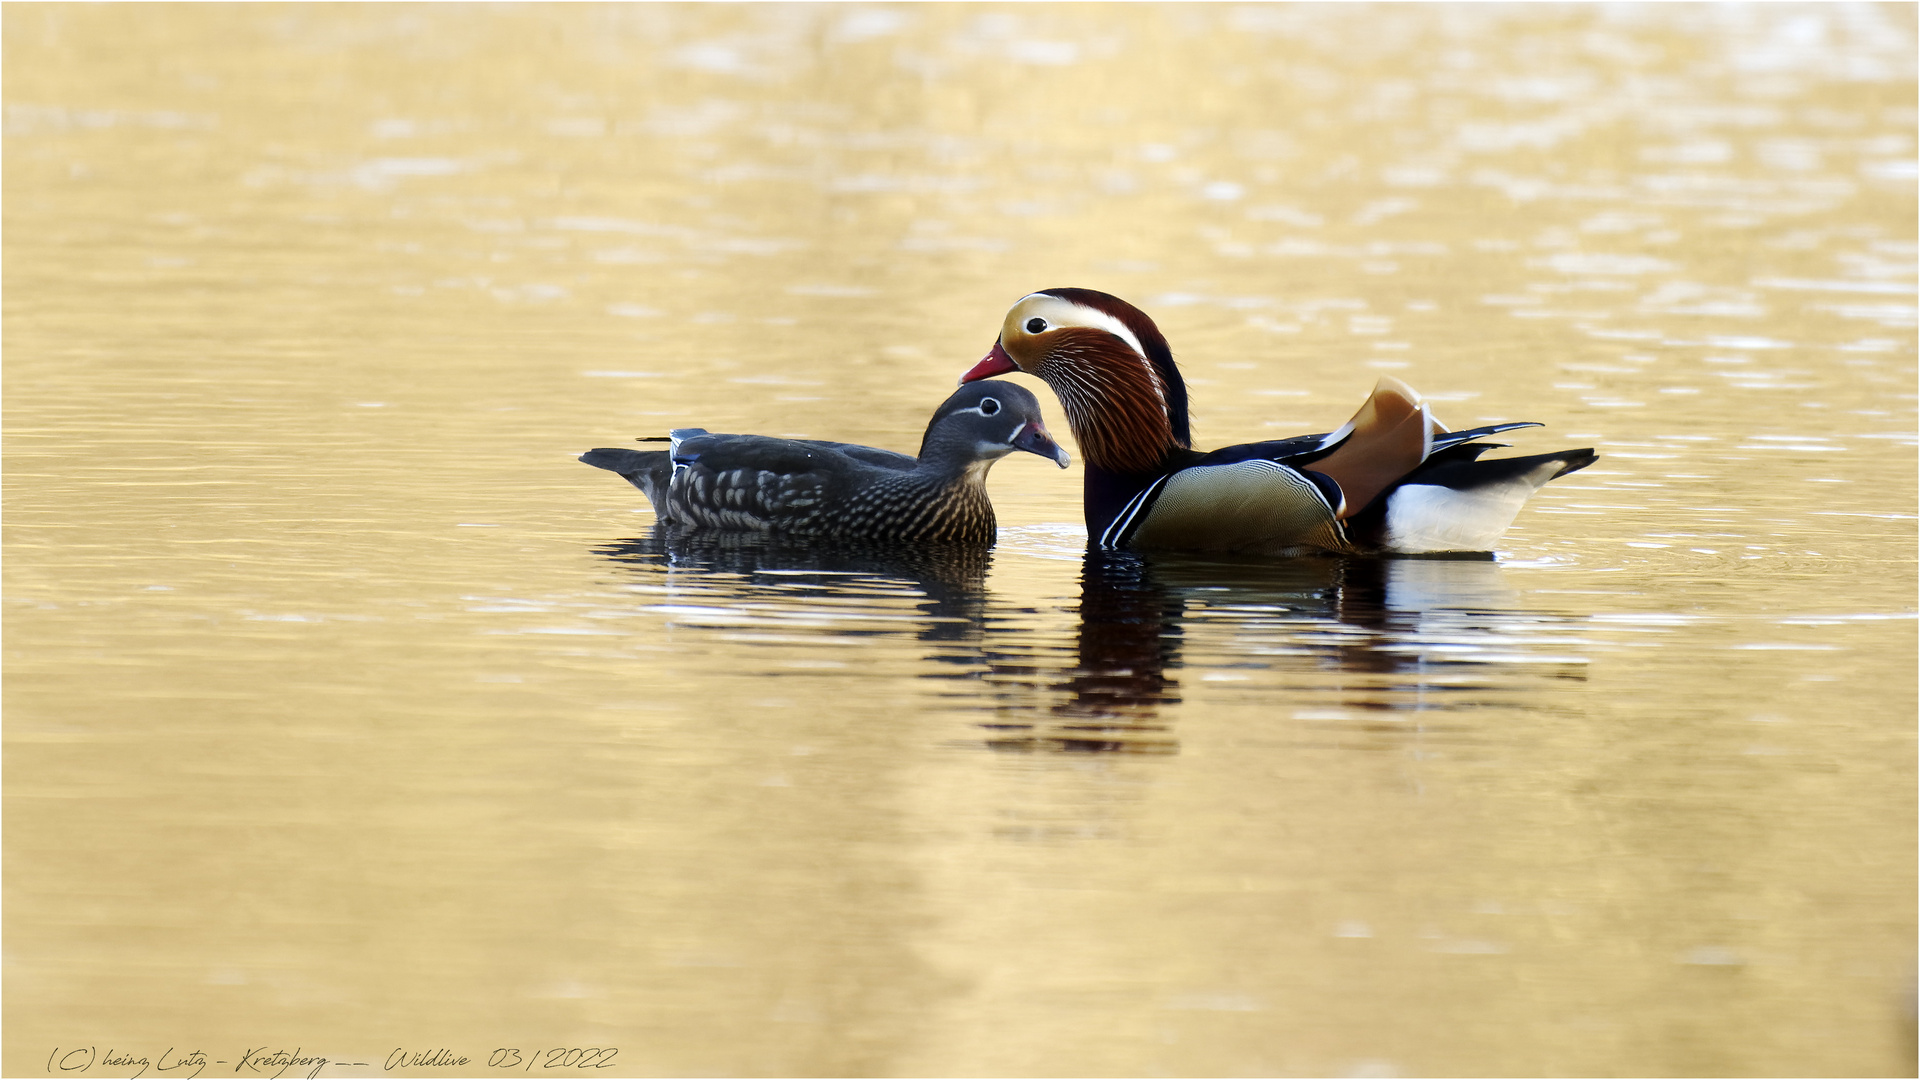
1082, 315
1063, 312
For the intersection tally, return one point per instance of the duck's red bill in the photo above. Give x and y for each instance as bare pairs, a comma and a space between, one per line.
994, 363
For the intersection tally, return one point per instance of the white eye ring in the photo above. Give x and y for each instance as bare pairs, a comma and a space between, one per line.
1036, 325
989, 406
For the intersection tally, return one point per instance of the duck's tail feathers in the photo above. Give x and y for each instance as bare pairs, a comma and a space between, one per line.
649, 470
1456, 502
1455, 438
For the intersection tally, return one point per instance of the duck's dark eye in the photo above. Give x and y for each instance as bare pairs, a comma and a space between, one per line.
1034, 326
989, 406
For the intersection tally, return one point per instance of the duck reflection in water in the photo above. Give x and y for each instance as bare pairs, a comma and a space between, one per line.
950, 577
1399, 627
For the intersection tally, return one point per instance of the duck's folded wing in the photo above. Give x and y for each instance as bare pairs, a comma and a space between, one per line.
1391, 436
1301, 451
871, 455
749, 481
1297, 450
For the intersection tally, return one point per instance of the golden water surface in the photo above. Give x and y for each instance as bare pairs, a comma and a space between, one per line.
349, 718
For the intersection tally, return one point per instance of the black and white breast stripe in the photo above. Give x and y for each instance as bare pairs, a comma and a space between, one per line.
1120, 530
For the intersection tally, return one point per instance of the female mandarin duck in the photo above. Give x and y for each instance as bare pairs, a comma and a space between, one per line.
1390, 481
839, 491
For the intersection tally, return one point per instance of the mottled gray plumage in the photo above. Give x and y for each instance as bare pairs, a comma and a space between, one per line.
803, 487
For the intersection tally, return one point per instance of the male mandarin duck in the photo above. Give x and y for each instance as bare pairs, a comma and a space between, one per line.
799, 487
1390, 481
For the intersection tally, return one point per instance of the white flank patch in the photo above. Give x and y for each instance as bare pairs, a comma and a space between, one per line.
1424, 517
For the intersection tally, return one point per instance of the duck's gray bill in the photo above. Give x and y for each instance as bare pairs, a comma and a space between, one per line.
1034, 440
